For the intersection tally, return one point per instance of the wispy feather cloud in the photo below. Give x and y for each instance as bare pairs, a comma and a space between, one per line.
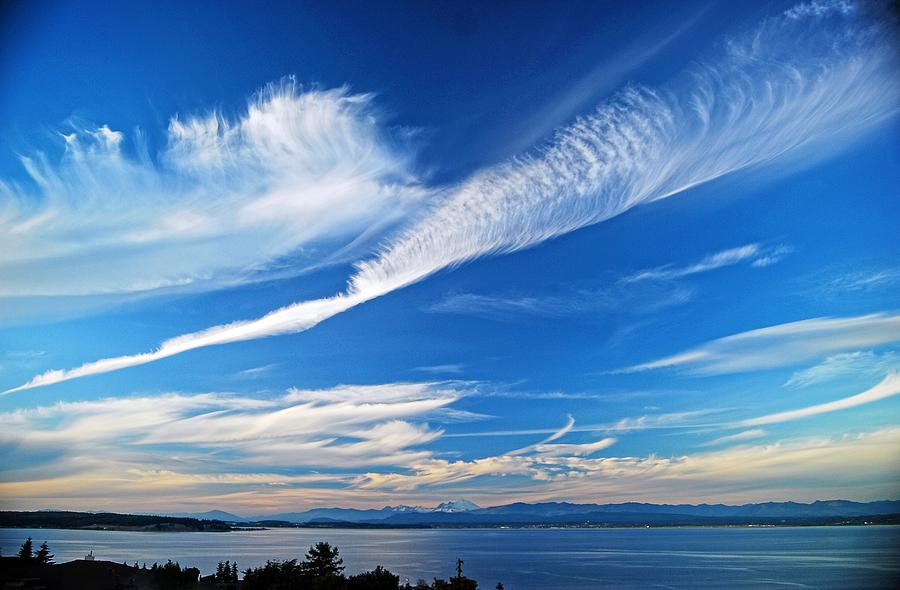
788, 86
755, 254
231, 434
184, 446
225, 199
866, 281
643, 291
860, 363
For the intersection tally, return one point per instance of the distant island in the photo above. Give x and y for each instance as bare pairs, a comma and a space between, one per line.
467, 514
107, 521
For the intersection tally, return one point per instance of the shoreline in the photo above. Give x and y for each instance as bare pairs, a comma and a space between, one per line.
460, 528
110, 521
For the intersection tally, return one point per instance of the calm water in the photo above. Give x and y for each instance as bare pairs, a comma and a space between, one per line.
815, 557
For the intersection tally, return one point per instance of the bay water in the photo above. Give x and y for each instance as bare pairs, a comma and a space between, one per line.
531, 559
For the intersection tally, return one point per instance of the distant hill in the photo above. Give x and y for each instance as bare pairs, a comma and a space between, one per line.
463, 513
208, 515
821, 508
366, 515
459, 513
106, 521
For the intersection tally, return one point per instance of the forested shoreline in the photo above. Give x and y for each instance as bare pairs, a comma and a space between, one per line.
321, 568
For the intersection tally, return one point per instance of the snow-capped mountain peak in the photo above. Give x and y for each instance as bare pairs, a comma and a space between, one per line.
405, 508
456, 506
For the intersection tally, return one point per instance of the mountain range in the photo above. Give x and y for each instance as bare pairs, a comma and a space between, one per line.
463, 512
354, 515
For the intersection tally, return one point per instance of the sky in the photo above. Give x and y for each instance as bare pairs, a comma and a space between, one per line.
275, 256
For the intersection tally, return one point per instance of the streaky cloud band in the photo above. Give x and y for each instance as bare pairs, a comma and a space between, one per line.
800, 84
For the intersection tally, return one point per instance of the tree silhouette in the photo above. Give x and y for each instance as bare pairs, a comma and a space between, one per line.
44, 555
171, 576
321, 570
226, 572
457, 582
322, 560
26, 551
275, 575
377, 579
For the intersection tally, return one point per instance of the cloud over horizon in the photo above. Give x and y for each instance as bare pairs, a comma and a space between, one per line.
306, 447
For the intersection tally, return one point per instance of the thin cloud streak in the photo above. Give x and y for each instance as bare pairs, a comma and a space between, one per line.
666, 421
787, 87
781, 345
888, 387
644, 291
755, 253
859, 363
866, 281
739, 437
451, 368
570, 423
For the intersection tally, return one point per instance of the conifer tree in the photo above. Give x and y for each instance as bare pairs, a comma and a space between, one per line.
322, 560
44, 555
26, 551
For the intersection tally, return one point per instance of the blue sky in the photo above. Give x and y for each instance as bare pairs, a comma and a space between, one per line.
274, 257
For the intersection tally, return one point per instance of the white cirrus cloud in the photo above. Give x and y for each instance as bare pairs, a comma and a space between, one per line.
382, 393
782, 345
755, 254
621, 297
802, 84
573, 450
888, 387
738, 437
348, 425
225, 199
859, 363
447, 368
866, 280
662, 421
644, 291
570, 423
